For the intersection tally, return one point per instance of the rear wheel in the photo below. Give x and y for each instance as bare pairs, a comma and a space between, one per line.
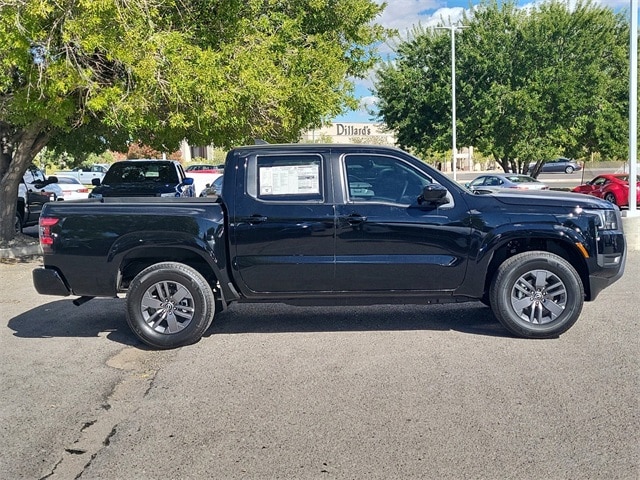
169, 305
537, 295
610, 197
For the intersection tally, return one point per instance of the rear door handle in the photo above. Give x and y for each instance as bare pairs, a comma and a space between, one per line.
254, 219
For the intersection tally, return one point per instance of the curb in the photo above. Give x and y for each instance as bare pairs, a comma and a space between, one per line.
631, 227
18, 252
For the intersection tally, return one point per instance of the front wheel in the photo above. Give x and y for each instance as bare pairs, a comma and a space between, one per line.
569, 169
537, 295
169, 305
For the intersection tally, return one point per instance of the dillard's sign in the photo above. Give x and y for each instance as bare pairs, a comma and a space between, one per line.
352, 130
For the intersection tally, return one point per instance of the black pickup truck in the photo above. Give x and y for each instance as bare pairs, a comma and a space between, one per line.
332, 224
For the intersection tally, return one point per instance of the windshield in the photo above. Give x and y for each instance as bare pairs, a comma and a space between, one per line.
34, 175
141, 172
625, 178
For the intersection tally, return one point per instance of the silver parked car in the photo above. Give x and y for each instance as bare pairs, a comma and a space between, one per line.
558, 165
494, 182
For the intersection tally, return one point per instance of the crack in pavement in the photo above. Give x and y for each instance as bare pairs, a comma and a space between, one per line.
140, 368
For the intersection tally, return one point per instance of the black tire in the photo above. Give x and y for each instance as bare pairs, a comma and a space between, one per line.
169, 305
610, 197
536, 295
569, 169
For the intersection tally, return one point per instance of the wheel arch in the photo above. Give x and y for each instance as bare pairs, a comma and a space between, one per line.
561, 247
136, 260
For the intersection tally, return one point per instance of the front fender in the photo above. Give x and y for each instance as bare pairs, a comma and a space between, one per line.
507, 240
571, 235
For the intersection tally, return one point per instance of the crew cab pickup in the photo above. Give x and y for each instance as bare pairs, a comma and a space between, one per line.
332, 224
86, 175
144, 178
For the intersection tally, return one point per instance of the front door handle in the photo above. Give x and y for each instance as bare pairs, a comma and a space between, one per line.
355, 219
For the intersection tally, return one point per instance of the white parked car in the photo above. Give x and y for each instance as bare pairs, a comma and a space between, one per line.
203, 178
36, 181
72, 188
496, 182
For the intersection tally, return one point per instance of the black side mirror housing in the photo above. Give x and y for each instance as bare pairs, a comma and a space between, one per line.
433, 194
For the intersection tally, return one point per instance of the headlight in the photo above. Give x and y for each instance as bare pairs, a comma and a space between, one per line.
606, 219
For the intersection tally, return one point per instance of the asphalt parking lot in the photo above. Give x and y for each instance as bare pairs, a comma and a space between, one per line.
274, 391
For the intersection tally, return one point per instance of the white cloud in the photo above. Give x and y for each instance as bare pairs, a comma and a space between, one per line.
368, 103
403, 15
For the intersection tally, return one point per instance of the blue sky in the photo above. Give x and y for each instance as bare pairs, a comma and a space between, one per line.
402, 15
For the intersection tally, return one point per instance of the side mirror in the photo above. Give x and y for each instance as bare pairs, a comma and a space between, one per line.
52, 179
187, 181
433, 194
95, 182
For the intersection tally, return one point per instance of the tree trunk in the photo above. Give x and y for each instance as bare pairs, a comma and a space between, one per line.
18, 153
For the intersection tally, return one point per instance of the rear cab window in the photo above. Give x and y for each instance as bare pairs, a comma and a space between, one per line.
287, 178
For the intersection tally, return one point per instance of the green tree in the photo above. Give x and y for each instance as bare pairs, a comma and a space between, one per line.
531, 84
84, 76
414, 92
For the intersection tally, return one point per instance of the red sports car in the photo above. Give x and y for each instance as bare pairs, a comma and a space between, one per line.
613, 187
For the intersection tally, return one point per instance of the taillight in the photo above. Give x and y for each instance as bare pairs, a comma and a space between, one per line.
46, 237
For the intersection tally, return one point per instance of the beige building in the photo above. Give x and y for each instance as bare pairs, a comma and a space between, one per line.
342, 132
189, 152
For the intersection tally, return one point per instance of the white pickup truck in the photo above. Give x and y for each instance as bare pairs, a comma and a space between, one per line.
85, 175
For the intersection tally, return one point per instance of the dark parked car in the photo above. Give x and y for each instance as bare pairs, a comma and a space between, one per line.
29, 206
612, 187
558, 165
498, 181
144, 178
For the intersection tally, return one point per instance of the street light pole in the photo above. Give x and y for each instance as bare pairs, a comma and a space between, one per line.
633, 108
454, 160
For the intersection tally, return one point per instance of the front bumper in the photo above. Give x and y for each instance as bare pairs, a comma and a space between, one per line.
611, 259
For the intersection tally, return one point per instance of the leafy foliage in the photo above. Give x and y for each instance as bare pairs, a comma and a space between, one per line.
89, 75
531, 84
